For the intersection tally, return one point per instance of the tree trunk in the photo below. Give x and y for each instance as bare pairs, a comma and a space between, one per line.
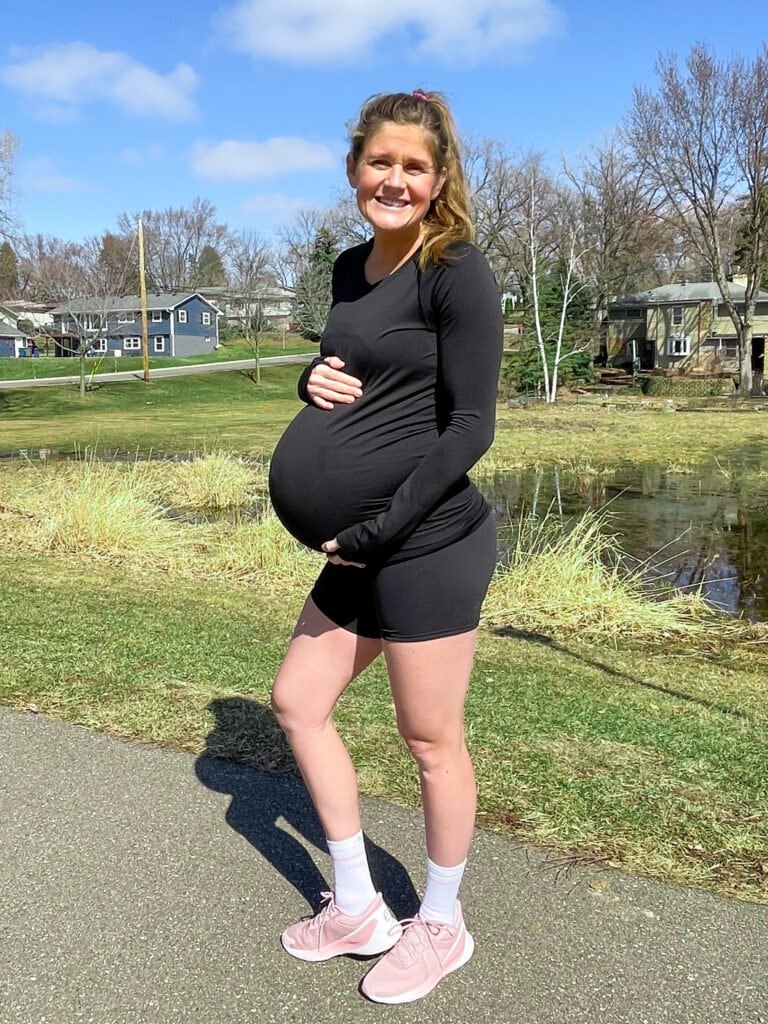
745, 360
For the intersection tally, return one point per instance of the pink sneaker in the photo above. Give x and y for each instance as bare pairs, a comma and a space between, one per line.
331, 933
424, 955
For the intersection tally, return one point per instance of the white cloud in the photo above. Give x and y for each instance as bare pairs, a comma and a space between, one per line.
233, 160
272, 208
323, 31
69, 75
40, 175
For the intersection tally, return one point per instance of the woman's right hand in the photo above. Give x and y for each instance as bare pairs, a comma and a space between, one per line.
327, 385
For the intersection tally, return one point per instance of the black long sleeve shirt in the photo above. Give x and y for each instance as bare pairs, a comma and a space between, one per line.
386, 475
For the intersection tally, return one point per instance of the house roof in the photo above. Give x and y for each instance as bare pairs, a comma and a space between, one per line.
6, 331
273, 292
695, 291
7, 314
19, 307
129, 303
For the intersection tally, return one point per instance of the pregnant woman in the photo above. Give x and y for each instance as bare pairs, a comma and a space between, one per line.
400, 405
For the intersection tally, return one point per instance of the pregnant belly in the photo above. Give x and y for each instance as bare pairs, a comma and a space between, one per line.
327, 473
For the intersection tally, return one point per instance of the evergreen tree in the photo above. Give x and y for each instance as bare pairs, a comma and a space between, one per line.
9, 272
522, 370
210, 271
313, 285
747, 237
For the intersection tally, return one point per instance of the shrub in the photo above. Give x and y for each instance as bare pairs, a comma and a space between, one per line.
521, 371
698, 386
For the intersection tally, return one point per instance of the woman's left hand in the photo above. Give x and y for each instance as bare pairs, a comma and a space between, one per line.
330, 548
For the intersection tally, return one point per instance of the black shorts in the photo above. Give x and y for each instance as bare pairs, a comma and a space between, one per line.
430, 596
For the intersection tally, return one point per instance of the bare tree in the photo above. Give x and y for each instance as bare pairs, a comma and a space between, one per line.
498, 183
308, 248
616, 221
88, 291
44, 262
9, 145
119, 258
250, 261
551, 247
175, 239
702, 137
346, 222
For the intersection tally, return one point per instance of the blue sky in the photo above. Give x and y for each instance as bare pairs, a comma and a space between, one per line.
147, 105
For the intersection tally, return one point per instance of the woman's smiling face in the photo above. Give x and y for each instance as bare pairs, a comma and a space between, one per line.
395, 178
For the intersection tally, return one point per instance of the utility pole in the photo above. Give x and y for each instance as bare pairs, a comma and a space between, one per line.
143, 289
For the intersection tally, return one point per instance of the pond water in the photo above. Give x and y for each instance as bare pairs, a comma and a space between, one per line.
694, 527
707, 528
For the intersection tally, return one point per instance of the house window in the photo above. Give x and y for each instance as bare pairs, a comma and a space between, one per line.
205, 319
678, 345
634, 313
100, 345
727, 348
624, 314
181, 316
131, 344
730, 349
677, 316
125, 318
157, 316
159, 343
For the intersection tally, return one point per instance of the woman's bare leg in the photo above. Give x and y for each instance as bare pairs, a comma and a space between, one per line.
321, 660
429, 681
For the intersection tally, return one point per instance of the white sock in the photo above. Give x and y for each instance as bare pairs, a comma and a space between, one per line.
441, 893
353, 886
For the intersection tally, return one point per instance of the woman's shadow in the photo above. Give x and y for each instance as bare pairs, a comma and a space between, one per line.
247, 756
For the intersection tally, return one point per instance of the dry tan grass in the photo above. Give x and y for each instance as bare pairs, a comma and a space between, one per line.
216, 480
259, 549
572, 579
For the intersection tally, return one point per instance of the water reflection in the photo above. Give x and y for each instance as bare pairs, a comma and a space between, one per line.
706, 529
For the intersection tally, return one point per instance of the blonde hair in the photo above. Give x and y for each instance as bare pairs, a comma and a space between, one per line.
448, 218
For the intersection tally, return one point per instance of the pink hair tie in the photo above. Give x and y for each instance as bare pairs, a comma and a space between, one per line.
420, 96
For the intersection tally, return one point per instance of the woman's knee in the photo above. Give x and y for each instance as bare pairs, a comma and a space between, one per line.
293, 711
431, 753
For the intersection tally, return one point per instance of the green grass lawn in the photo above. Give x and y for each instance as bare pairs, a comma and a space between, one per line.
229, 411
650, 759
272, 344
654, 762
177, 415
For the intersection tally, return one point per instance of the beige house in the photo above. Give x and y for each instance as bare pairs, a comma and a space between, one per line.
685, 327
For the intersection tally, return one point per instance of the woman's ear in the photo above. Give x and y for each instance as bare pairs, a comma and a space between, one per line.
438, 186
351, 170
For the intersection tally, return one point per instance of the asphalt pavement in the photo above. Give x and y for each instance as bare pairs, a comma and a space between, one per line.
142, 886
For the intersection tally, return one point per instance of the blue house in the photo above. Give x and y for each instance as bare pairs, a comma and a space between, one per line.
12, 341
179, 324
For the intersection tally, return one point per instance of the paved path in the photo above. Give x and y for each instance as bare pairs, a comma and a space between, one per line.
139, 886
167, 371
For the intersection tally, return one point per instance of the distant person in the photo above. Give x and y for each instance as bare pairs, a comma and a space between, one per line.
400, 405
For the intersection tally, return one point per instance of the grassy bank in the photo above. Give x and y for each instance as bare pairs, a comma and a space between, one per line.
228, 411
648, 756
